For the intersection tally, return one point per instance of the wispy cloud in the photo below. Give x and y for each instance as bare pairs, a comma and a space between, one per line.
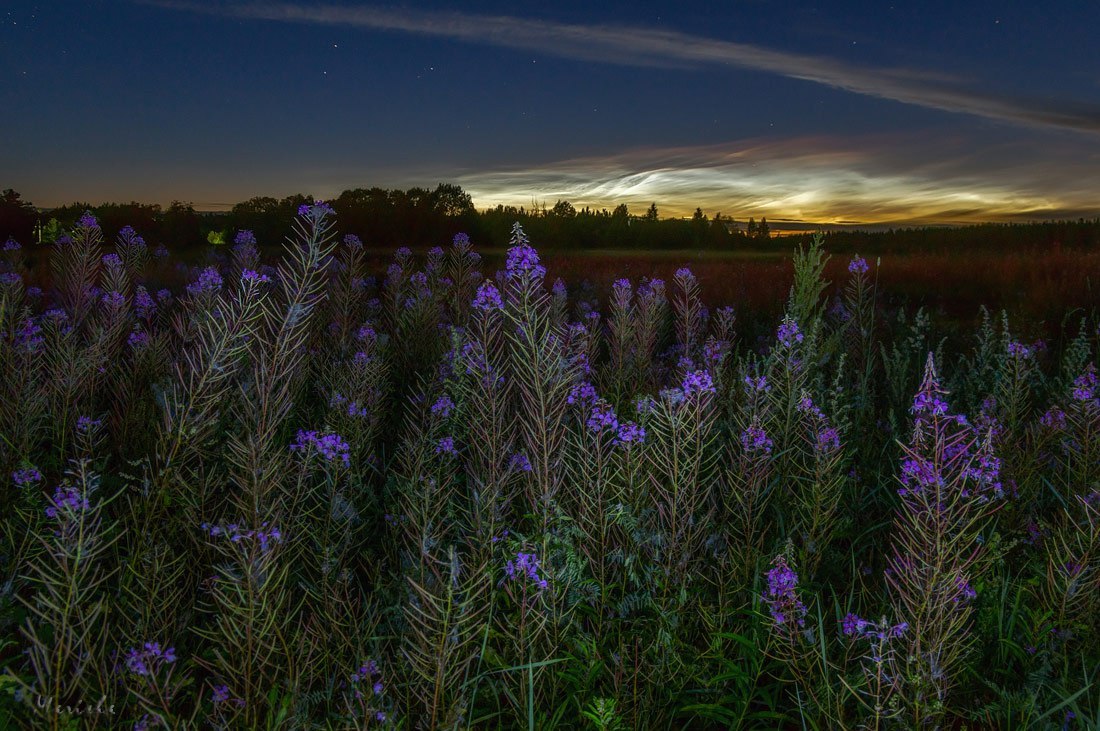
820, 179
797, 182
637, 46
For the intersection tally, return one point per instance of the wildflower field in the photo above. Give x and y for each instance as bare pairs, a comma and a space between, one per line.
291, 494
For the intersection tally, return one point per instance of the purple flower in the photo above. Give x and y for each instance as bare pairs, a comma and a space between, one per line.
806, 406
220, 694
1019, 350
420, 281
828, 440
316, 210
26, 477
1084, 386
34, 291
86, 424
631, 433
858, 265
755, 439
525, 565
759, 384
112, 261
697, 382
244, 237
683, 274
87, 221
446, 446
352, 408
715, 351
488, 298
56, 315
1071, 568
366, 334
366, 671
138, 339
602, 417
443, 406
918, 474
248, 275
519, 463
209, 281
1054, 418
29, 336
781, 594
651, 290
148, 659
144, 306
583, 393
130, 236
160, 252
522, 259
963, 591
263, 537
12, 245
929, 402
853, 625
788, 333
114, 300
66, 500
330, 446
164, 296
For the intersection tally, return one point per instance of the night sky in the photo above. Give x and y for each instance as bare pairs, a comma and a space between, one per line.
841, 112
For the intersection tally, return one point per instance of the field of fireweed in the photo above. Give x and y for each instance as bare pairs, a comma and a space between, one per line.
296, 496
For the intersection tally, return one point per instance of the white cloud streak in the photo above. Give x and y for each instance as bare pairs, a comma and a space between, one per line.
873, 180
636, 46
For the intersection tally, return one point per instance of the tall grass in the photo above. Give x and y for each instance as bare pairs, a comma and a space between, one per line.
292, 494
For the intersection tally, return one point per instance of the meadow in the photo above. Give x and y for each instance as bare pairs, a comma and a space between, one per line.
310, 488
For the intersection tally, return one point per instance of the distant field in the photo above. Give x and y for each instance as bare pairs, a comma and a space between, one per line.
1036, 285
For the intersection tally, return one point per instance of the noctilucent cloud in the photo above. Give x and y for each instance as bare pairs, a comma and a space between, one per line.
840, 113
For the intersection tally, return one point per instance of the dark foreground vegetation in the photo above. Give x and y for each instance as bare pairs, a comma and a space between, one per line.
286, 493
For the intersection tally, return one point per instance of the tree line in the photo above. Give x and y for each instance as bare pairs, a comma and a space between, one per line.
422, 217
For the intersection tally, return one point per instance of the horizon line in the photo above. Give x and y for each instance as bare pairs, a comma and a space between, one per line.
776, 225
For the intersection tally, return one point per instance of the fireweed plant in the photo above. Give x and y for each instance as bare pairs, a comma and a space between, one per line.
295, 490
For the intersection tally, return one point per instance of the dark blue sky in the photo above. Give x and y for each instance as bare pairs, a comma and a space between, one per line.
844, 111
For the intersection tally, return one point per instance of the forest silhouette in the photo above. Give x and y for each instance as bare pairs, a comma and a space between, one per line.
419, 217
